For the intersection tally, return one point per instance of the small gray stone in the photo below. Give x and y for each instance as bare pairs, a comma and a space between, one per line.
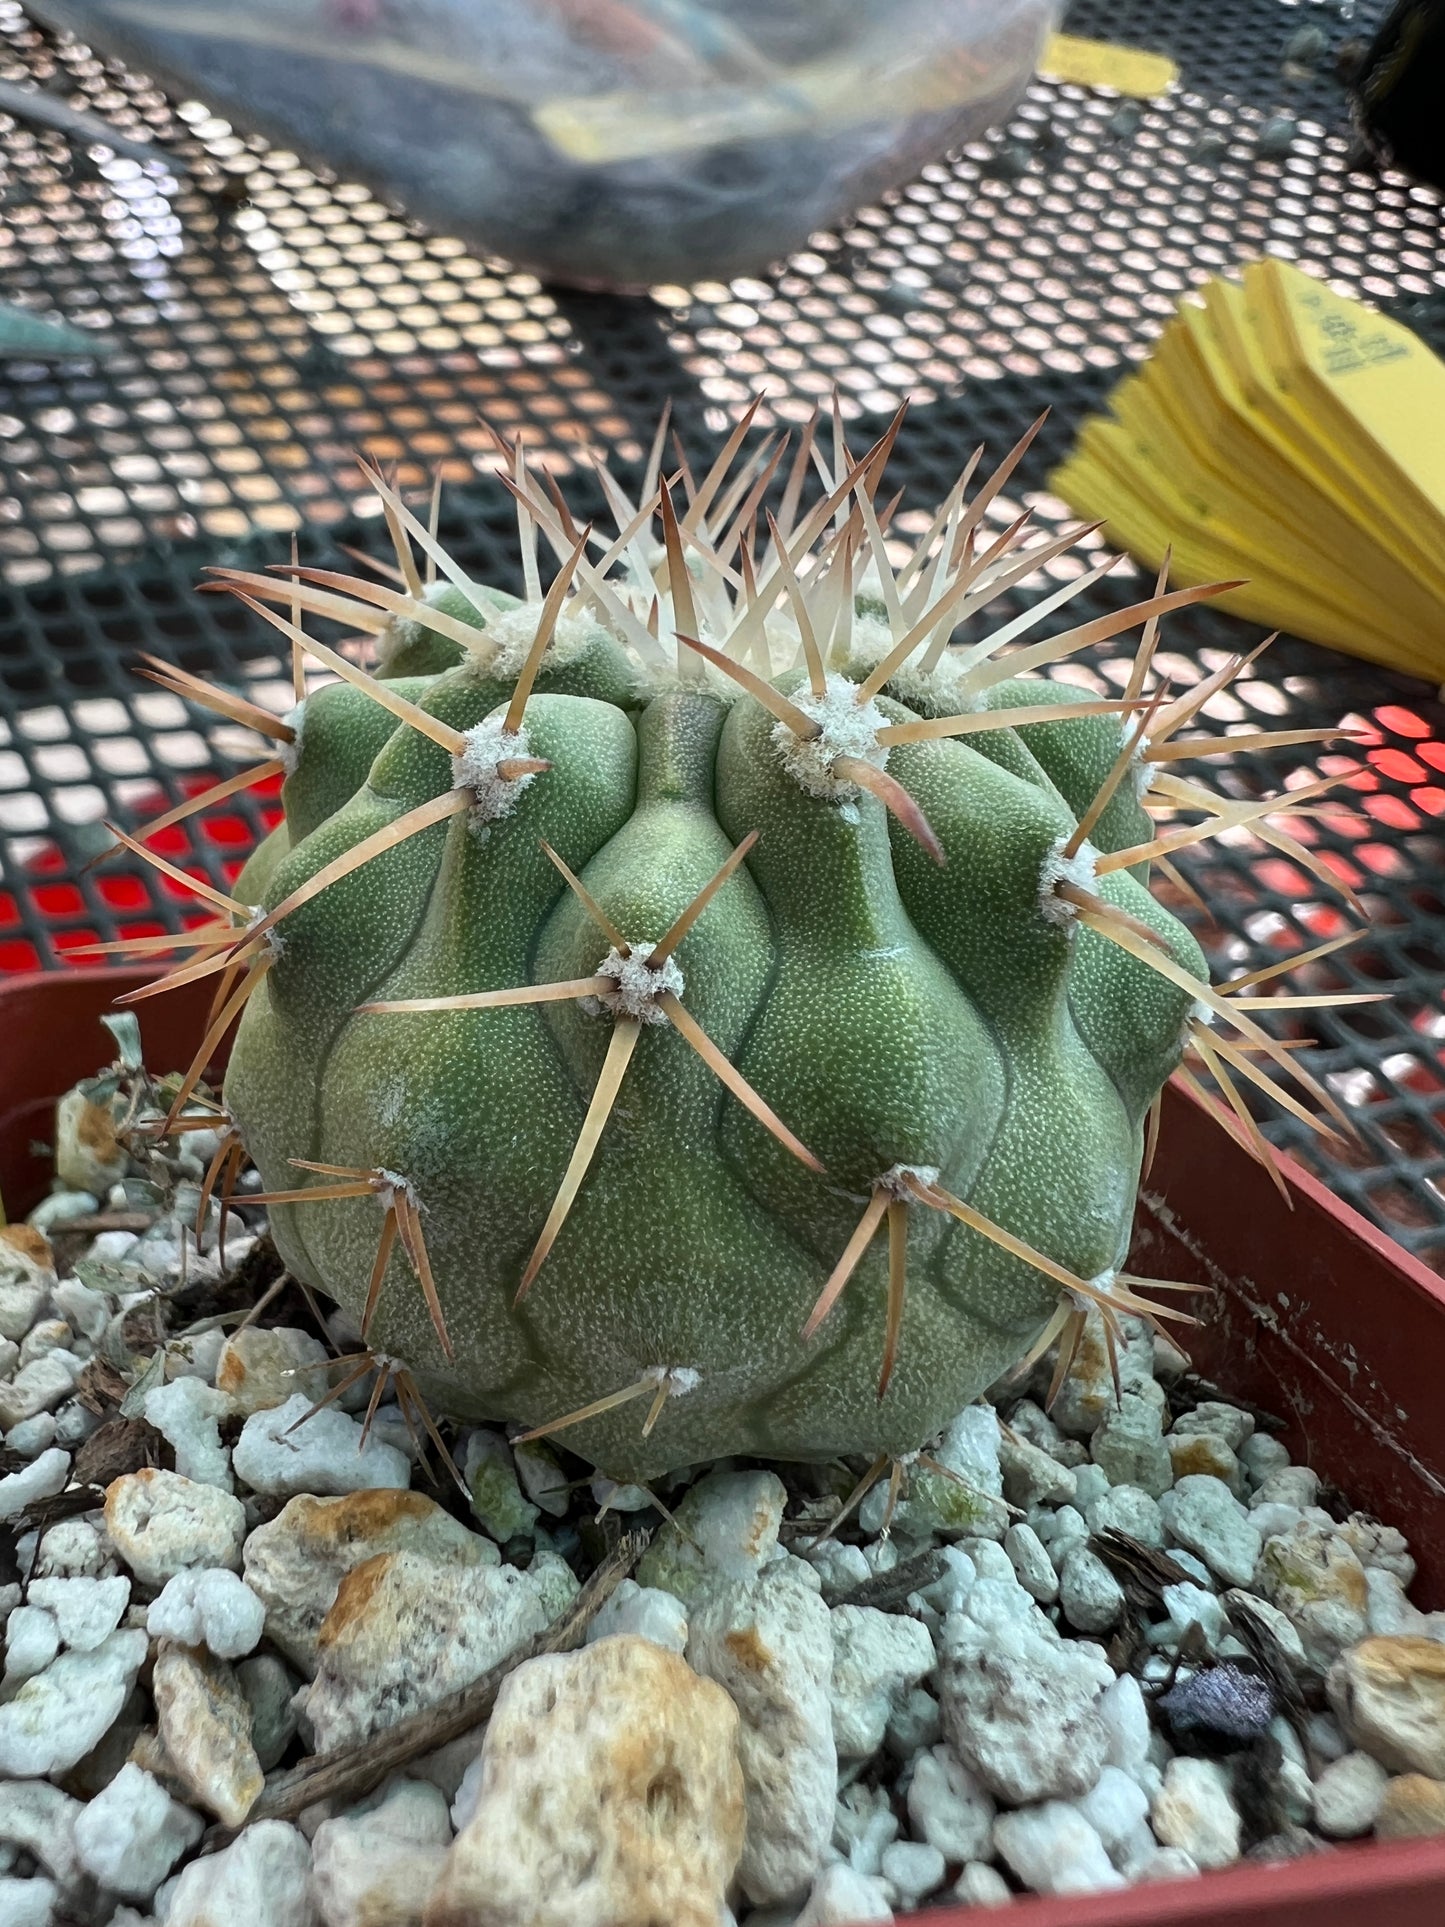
1318, 1583
1091, 1597
41, 1479
1295, 1485
86, 1610
877, 1658
1059, 1532
132, 1833
1348, 1796
949, 1806
59, 1715
1032, 1476
914, 1869
1130, 1509
914, 1725
162, 1524
322, 1455
262, 1878
980, 1885
1053, 1850
1203, 1515
727, 1529
1020, 1705
770, 1646
31, 1437
1129, 1445
645, 1611
1261, 1455
1195, 1811
31, 1903
38, 1387
1227, 1422
269, 1688
1031, 1562
842, 1897
32, 1639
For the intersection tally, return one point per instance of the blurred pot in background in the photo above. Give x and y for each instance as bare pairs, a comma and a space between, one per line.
606, 143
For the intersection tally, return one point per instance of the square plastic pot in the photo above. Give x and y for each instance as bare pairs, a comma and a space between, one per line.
1315, 1315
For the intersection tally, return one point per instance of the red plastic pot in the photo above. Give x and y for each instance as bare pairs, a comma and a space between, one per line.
1316, 1315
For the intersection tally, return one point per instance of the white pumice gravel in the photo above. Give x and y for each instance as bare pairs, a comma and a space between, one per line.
1035, 1675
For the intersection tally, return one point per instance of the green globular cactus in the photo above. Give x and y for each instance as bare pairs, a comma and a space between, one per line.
705, 1011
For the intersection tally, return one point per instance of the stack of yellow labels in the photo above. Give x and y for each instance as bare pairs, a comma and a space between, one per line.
1284, 433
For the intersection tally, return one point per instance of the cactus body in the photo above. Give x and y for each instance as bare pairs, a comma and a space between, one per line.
948, 1029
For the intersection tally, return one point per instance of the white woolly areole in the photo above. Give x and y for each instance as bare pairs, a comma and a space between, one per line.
896, 1181
1104, 1285
288, 755
273, 941
1058, 868
513, 632
389, 1185
679, 1379
848, 729
638, 984
1141, 771
488, 744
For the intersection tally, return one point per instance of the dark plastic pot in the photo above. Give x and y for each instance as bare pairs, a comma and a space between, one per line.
1316, 1315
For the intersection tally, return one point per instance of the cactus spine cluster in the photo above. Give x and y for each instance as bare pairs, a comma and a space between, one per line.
705, 1008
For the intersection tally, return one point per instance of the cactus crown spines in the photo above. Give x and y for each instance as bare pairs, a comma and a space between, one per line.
659, 940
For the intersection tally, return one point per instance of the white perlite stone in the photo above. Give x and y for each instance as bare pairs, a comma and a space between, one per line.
74, 1548
41, 1479
1202, 1514
162, 1524
980, 1885
214, 1609
1053, 1850
610, 1793
296, 1563
863, 1824
1195, 1811
186, 1413
646, 1611
405, 1633
1091, 1597
1020, 1705
843, 1898
24, 1287
913, 1870
57, 1717
376, 1866
31, 1903
770, 1645
324, 1455
1128, 1508
32, 1436
1348, 1796
32, 1639
727, 1529
38, 1387
263, 1879
132, 1833
949, 1807
87, 1611
258, 1368
877, 1658
1032, 1563
1117, 1808
40, 1820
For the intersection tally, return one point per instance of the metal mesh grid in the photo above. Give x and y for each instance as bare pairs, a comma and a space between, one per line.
269, 322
